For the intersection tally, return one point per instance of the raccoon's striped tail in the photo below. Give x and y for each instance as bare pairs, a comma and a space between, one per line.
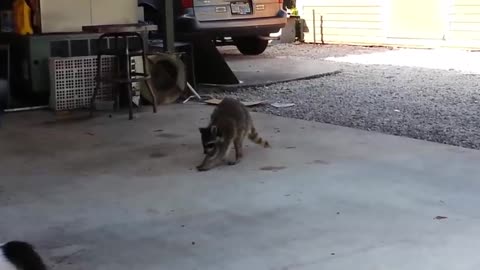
254, 137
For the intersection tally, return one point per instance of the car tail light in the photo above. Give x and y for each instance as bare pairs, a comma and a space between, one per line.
187, 4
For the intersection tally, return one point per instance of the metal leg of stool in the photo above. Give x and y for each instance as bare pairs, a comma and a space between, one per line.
145, 71
128, 77
154, 97
130, 102
98, 83
117, 74
140, 105
147, 84
116, 96
116, 86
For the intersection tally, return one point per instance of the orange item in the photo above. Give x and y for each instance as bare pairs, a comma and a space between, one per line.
22, 18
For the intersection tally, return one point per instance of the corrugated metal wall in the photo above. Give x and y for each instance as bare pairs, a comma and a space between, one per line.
370, 22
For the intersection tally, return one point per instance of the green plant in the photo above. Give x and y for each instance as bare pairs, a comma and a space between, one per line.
294, 11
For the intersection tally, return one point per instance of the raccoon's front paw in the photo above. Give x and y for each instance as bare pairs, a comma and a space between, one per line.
200, 168
231, 163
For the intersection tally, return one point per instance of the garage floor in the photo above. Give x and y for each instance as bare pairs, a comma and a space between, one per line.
113, 194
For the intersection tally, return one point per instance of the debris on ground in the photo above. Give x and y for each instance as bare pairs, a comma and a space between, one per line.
253, 103
203, 98
273, 168
440, 217
216, 101
282, 105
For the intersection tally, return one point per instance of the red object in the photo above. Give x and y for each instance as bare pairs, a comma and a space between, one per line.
187, 4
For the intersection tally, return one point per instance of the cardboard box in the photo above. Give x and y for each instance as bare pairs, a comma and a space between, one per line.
61, 16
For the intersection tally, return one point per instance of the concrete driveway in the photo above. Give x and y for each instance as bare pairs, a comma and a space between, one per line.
113, 194
266, 69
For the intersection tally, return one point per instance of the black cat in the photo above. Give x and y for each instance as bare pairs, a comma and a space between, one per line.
16, 255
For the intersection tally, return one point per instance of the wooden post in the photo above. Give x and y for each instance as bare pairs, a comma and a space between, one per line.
321, 29
314, 27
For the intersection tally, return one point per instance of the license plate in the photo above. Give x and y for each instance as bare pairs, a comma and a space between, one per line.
241, 8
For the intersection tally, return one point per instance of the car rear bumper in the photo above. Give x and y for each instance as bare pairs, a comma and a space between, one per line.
262, 26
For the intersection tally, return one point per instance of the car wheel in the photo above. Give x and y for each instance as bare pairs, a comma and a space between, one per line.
251, 45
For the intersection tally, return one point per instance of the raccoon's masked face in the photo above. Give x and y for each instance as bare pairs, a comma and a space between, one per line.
210, 138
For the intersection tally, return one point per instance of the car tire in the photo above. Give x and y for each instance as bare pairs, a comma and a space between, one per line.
251, 45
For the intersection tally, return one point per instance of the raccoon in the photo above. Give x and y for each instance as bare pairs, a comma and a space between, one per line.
229, 124
16, 255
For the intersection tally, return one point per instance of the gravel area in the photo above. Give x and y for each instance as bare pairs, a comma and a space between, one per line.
429, 104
